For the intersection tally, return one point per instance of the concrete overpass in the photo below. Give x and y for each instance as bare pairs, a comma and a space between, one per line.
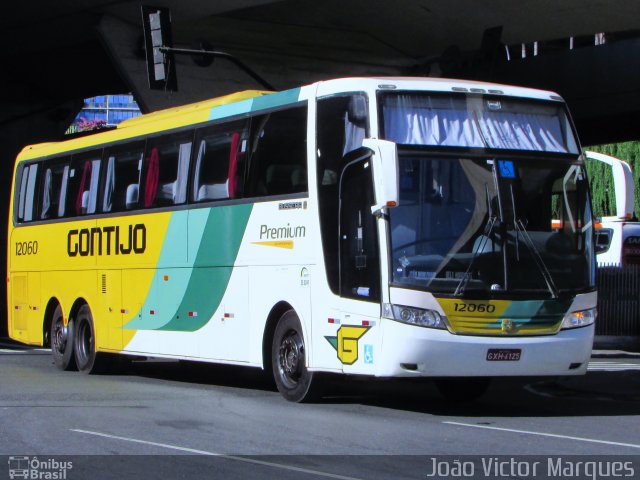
55, 54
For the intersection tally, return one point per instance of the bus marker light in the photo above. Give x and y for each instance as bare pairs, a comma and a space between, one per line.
228, 315
152, 312
335, 321
166, 278
193, 314
124, 310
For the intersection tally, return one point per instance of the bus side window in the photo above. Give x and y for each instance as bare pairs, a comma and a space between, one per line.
278, 163
27, 194
166, 170
53, 190
123, 178
219, 162
82, 185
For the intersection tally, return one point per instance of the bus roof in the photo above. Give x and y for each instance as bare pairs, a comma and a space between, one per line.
437, 84
148, 123
203, 111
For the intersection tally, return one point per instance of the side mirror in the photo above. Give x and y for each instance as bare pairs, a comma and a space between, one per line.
622, 182
384, 160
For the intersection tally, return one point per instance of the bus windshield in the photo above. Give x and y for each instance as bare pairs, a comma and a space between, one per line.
508, 214
491, 226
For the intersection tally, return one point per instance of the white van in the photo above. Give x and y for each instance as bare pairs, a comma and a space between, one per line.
617, 237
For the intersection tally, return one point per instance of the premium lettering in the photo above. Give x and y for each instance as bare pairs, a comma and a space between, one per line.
280, 233
110, 240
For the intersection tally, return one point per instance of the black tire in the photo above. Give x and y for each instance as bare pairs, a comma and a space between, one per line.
463, 389
87, 359
62, 341
288, 360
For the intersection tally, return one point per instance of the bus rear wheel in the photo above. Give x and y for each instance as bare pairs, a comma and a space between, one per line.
61, 338
87, 359
288, 359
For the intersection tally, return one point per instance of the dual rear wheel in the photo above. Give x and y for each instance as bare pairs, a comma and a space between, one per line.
73, 345
62, 341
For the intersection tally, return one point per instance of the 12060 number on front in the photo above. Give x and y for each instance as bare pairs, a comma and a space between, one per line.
474, 307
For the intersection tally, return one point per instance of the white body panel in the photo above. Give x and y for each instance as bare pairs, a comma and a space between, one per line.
620, 231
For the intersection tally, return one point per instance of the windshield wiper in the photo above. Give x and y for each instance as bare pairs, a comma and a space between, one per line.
520, 228
486, 236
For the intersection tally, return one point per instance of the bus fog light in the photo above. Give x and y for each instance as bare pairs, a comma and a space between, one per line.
579, 319
414, 316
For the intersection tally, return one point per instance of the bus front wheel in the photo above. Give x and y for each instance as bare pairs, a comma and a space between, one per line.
61, 338
288, 359
87, 359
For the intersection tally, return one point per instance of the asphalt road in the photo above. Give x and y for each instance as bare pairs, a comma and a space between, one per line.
161, 419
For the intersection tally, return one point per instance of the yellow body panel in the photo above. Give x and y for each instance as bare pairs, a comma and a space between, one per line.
50, 262
114, 285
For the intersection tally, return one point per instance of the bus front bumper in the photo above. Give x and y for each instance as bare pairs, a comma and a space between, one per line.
410, 351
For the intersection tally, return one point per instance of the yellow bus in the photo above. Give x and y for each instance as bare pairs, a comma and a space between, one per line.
385, 227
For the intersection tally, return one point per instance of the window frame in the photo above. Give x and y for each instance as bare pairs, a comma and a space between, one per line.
253, 167
108, 148
223, 127
165, 138
134, 144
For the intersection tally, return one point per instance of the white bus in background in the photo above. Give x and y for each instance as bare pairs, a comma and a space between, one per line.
617, 236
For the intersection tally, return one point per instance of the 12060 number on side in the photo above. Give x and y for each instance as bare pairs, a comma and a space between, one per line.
26, 248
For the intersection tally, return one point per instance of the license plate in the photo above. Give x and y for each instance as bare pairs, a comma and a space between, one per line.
504, 354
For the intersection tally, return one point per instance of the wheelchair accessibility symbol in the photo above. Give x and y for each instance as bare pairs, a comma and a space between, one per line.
368, 354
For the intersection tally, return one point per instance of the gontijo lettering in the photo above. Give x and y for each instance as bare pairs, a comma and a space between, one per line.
110, 240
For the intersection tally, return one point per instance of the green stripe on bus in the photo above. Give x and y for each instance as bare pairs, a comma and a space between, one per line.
213, 265
535, 313
217, 233
286, 97
265, 102
230, 109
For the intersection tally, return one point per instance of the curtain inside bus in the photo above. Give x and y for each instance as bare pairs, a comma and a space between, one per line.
424, 119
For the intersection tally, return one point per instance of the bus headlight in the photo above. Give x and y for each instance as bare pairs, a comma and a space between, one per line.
579, 319
414, 316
